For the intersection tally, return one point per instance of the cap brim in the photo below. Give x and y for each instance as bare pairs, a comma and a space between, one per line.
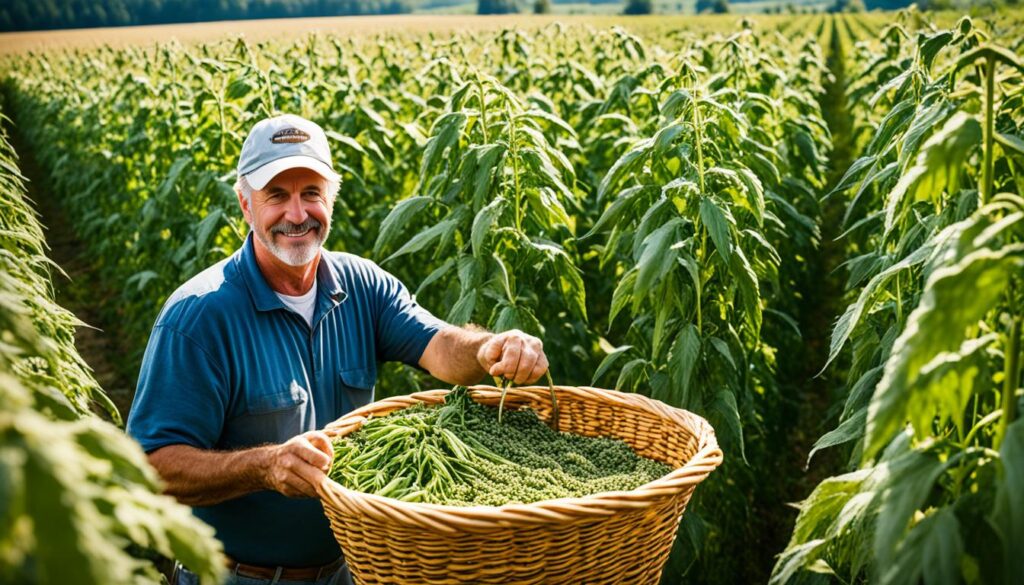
259, 178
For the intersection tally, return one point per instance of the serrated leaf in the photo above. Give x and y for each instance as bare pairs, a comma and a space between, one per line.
394, 224
617, 209
724, 411
622, 295
483, 222
206, 228
974, 286
435, 275
683, 357
177, 167
850, 429
462, 312
656, 258
608, 361
1008, 513
628, 163
424, 238
714, 220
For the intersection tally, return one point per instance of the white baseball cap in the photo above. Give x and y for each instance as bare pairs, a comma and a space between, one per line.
284, 142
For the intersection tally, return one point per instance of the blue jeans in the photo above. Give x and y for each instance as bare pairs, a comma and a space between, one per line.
339, 577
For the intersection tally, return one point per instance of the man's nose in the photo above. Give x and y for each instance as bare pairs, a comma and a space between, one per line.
295, 211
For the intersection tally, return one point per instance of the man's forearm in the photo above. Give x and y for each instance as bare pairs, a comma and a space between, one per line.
454, 352
199, 477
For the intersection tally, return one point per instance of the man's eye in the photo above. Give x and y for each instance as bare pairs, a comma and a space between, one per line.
311, 194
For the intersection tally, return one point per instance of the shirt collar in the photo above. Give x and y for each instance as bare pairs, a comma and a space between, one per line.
264, 298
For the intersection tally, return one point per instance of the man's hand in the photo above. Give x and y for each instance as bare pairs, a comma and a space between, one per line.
299, 465
514, 355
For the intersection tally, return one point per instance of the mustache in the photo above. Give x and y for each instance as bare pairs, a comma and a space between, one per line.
290, 228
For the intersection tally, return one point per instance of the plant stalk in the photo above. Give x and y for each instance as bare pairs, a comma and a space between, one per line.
1010, 380
987, 167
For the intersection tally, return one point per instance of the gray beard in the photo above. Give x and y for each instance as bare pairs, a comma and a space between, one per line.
292, 256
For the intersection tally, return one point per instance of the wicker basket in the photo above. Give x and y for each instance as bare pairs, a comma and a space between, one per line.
611, 537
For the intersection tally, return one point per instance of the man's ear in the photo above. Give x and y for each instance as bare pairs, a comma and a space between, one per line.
245, 205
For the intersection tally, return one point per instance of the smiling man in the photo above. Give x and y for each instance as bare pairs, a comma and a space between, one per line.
253, 355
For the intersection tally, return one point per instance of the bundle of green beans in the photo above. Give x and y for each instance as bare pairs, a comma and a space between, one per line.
460, 454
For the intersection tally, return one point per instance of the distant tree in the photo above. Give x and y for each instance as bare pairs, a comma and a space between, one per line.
936, 5
639, 7
848, 6
497, 7
714, 6
541, 6
55, 14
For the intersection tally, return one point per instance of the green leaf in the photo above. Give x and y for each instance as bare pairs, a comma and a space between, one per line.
853, 174
849, 430
424, 238
444, 135
503, 278
726, 416
986, 52
904, 481
482, 224
551, 119
608, 361
570, 282
619, 206
754, 192
347, 141
206, 228
629, 377
955, 297
926, 120
932, 45
795, 558
938, 167
931, 553
851, 318
623, 294
462, 312
682, 364
676, 103
657, 257
1010, 143
172, 176
141, 279
436, 274
749, 291
628, 163
665, 137
507, 320
394, 224
488, 158
1008, 513
718, 226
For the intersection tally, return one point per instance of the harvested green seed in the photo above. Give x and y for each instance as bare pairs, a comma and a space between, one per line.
459, 454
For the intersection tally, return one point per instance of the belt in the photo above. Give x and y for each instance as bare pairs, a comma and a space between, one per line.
284, 573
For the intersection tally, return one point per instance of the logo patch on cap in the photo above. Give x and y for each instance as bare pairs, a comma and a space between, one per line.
289, 135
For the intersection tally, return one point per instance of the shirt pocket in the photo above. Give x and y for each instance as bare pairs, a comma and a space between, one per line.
270, 402
357, 388
273, 416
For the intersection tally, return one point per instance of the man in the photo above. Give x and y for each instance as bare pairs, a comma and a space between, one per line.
247, 359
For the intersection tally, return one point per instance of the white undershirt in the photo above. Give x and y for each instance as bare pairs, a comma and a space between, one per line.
303, 305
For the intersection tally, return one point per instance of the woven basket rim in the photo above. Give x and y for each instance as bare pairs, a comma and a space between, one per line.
707, 457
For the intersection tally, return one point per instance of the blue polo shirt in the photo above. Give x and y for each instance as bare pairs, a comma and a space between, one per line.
228, 366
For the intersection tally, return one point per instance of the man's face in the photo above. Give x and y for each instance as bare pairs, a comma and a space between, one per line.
291, 215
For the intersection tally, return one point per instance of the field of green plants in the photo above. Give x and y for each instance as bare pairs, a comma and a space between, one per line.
808, 230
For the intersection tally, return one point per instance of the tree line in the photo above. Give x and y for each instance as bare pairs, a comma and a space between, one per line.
20, 15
